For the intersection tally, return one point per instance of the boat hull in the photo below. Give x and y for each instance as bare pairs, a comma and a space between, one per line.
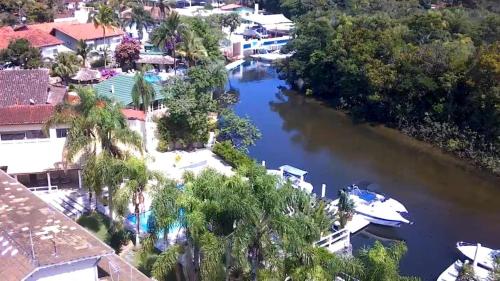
485, 255
381, 221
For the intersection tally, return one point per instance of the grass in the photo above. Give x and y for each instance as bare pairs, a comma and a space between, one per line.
100, 226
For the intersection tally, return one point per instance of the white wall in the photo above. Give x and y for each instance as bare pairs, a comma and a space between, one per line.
30, 155
78, 271
70, 42
135, 33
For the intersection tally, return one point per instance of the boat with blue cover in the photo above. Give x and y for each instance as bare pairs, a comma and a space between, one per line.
377, 208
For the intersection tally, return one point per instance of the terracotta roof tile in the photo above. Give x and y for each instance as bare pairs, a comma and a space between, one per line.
19, 86
133, 114
36, 37
47, 27
25, 114
88, 31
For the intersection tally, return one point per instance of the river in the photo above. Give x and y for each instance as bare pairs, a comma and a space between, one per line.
448, 200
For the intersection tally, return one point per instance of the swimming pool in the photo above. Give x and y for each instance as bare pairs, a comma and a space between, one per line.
152, 78
144, 219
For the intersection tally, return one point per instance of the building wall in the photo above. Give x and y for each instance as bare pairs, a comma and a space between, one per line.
30, 155
50, 51
97, 44
85, 270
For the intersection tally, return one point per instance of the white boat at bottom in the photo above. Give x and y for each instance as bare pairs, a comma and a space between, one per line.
294, 175
484, 256
453, 272
376, 208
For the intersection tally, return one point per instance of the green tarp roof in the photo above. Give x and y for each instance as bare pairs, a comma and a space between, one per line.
122, 89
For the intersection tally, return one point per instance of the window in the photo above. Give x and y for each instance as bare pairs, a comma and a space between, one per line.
54, 52
61, 133
35, 134
12, 136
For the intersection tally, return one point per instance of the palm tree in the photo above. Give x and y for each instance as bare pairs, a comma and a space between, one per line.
140, 18
345, 208
138, 176
142, 92
191, 47
105, 18
65, 66
98, 136
166, 35
82, 49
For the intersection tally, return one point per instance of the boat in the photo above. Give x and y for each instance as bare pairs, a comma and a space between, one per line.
294, 175
453, 271
270, 56
484, 256
376, 208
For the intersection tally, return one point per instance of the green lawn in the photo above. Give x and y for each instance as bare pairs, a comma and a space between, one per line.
96, 223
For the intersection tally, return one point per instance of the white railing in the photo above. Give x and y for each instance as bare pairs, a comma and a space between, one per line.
337, 241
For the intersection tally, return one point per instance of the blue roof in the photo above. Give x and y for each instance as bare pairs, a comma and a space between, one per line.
293, 170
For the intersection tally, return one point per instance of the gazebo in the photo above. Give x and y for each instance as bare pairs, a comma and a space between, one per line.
86, 76
156, 60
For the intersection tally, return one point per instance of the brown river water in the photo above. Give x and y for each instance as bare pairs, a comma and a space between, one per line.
448, 200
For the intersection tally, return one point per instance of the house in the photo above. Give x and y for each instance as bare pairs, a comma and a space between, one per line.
38, 242
71, 33
27, 100
49, 45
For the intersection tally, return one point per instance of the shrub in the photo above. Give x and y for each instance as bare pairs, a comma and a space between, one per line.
162, 146
231, 155
118, 237
97, 63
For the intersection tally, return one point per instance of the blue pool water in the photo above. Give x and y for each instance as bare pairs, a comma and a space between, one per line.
152, 78
143, 223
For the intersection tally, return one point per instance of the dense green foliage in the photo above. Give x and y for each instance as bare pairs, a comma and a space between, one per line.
143, 93
35, 11
434, 74
20, 53
66, 66
115, 236
240, 131
231, 155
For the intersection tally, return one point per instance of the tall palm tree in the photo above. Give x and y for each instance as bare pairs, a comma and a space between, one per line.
140, 18
166, 35
191, 47
139, 176
105, 18
142, 92
65, 66
98, 137
82, 49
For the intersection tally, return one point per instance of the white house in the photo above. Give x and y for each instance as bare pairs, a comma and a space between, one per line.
49, 45
71, 33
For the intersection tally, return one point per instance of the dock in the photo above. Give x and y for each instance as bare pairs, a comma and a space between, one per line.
338, 242
234, 64
356, 224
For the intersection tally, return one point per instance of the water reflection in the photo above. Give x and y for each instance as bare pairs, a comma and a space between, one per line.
448, 201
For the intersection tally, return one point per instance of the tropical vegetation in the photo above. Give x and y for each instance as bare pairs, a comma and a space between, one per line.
127, 52
143, 93
105, 18
66, 65
432, 73
21, 53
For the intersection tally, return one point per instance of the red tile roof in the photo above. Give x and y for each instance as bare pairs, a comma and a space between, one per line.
88, 31
25, 114
47, 27
36, 37
133, 114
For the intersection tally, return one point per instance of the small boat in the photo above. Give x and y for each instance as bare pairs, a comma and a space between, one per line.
376, 208
294, 175
453, 272
484, 256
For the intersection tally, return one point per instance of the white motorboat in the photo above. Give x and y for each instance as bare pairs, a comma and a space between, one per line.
484, 256
376, 208
453, 271
294, 175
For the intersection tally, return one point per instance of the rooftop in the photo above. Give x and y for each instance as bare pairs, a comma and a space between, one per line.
25, 114
87, 31
47, 27
133, 114
18, 87
119, 88
36, 37
35, 235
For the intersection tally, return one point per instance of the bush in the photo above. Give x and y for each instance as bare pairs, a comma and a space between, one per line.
162, 146
231, 155
118, 237
97, 63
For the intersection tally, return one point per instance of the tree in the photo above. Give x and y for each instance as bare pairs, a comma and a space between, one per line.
231, 20
143, 92
105, 18
127, 52
65, 66
240, 131
83, 50
166, 35
345, 207
98, 136
191, 47
20, 53
138, 178
140, 18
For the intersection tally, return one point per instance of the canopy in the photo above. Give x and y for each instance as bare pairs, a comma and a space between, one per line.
86, 75
155, 59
